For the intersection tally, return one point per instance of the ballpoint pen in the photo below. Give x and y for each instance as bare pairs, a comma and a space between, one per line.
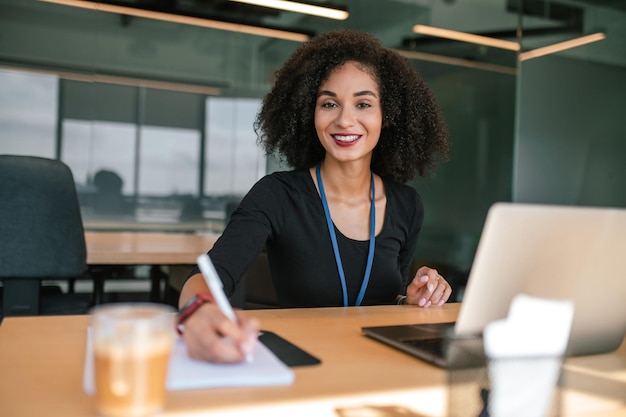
215, 286
217, 290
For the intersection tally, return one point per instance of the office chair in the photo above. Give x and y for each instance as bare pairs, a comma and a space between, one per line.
42, 236
258, 289
254, 291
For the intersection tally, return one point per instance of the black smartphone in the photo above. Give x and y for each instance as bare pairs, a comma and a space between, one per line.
290, 354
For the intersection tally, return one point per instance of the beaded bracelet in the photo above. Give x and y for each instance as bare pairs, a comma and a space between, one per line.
190, 307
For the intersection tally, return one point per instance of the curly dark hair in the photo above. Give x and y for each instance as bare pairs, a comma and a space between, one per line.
413, 133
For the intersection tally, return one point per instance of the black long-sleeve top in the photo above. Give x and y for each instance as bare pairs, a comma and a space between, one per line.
283, 212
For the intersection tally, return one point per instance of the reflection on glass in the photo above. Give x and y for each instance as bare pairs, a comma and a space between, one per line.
234, 161
108, 200
90, 146
570, 139
168, 161
28, 110
101, 157
168, 173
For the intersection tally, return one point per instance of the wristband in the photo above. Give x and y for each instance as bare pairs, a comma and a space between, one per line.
190, 307
401, 300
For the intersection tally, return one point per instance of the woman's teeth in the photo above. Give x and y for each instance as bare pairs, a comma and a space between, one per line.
348, 138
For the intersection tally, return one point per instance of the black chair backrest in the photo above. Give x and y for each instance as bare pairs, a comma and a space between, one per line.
259, 286
41, 230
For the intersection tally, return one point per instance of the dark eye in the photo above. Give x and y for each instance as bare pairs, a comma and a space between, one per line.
363, 105
328, 105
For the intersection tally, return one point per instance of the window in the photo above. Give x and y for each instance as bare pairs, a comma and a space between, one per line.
234, 161
28, 113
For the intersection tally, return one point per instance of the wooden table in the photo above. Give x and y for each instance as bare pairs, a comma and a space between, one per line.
42, 358
133, 225
146, 248
105, 249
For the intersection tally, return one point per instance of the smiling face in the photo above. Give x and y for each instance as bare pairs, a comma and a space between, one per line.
348, 114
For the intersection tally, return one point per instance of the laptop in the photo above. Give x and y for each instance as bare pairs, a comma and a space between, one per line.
548, 251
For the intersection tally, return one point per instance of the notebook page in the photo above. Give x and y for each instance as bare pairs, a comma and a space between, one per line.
186, 373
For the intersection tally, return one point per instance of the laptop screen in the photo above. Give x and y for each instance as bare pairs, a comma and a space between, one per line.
559, 252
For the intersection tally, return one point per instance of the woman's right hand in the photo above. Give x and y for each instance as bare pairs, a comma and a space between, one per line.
211, 336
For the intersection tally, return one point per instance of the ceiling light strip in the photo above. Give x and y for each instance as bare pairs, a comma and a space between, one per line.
188, 20
466, 37
459, 62
137, 82
561, 46
303, 8
119, 80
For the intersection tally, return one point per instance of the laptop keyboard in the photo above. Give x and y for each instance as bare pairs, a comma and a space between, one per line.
435, 347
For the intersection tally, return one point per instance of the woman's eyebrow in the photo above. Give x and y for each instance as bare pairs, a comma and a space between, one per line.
357, 94
365, 93
326, 93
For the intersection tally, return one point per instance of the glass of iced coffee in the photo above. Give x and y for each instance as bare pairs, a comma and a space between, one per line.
132, 343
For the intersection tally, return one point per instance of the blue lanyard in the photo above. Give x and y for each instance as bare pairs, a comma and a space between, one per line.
333, 238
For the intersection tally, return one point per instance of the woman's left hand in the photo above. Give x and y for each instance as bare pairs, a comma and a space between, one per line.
428, 288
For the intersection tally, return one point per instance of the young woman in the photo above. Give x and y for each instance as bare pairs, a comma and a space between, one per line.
355, 121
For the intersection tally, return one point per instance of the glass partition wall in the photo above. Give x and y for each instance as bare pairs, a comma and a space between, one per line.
154, 116
571, 135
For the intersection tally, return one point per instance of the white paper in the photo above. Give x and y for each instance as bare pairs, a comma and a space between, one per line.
186, 373
534, 327
525, 351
